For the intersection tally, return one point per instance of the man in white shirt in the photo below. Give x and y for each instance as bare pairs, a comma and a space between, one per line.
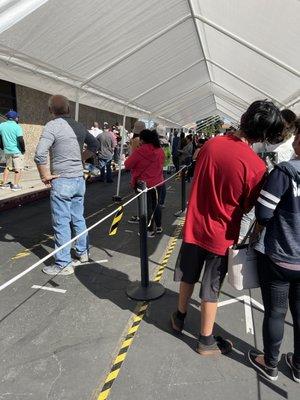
95, 130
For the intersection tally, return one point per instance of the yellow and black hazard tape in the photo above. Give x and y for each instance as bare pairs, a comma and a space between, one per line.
136, 321
116, 221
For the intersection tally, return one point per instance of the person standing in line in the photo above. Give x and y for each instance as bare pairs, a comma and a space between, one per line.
64, 139
146, 164
95, 130
175, 147
226, 184
166, 148
278, 210
105, 153
281, 149
12, 142
138, 127
186, 153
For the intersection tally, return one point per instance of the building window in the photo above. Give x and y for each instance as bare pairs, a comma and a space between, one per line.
7, 97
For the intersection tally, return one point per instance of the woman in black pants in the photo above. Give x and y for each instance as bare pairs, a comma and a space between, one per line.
278, 209
146, 164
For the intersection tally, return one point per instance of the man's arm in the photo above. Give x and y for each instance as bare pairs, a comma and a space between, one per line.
20, 139
21, 144
41, 156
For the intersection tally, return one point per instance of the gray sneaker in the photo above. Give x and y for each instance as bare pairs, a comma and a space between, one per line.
5, 186
55, 270
84, 258
16, 187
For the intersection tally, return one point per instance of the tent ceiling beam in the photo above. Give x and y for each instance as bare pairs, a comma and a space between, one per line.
247, 44
136, 48
190, 6
209, 120
245, 82
167, 80
221, 106
191, 105
65, 81
235, 95
195, 116
166, 103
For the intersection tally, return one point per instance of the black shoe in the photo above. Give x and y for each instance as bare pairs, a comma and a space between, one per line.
177, 324
220, 346
295, 372
268, 372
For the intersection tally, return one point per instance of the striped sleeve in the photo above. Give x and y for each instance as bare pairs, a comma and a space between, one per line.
274, 188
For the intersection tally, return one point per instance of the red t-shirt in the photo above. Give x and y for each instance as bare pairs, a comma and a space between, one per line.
227, 180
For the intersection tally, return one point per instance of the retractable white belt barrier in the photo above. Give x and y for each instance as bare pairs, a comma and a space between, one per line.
144, 290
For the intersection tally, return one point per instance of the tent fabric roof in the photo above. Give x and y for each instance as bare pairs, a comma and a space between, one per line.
174, 60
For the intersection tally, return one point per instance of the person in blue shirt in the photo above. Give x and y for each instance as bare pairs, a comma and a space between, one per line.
12, 142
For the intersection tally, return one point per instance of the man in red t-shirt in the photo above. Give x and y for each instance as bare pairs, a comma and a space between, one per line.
227, 181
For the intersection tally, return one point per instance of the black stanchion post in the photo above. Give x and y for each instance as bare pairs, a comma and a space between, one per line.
144, 290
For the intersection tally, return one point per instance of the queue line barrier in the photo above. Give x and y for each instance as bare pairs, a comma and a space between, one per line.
143, 290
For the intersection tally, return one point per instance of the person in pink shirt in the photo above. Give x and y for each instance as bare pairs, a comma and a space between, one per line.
146, 164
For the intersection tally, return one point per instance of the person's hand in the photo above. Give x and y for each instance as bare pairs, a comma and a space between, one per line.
47, 179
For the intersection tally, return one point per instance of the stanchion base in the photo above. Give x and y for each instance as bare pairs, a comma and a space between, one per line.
180, 213
117, 199
136, 292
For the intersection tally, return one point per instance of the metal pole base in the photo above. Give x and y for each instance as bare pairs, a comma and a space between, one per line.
137, 292
117, 199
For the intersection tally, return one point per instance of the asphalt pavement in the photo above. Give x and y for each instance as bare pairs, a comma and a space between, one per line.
64, 341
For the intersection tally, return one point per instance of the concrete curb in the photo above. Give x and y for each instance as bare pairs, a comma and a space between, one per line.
35, 195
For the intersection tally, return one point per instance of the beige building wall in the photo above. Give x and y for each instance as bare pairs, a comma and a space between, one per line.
32, 106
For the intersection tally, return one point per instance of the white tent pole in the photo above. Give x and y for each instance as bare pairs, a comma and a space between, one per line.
244, 81
121, 153
190, 105
173, 99
228, 110
190, 6
210, 119
292, 103
228, 91
149, 120
136, 49
247, 44
77, 106
167, 80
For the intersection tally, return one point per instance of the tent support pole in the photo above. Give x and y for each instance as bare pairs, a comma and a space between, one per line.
77, 107
117, 197
247, 44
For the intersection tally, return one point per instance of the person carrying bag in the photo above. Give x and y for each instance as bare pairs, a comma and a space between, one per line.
278, 250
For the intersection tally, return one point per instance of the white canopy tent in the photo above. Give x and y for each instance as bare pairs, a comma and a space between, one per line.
176, 61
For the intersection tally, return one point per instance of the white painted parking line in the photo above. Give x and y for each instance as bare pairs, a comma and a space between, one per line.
48, 288
248, 315
248, 302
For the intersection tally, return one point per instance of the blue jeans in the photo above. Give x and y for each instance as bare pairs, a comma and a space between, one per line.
67, 207
105, 164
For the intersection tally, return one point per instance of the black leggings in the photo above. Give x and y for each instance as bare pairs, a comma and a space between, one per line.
280, 288
153, 208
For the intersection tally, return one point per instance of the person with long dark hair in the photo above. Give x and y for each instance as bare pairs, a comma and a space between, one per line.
278, 210
146, 164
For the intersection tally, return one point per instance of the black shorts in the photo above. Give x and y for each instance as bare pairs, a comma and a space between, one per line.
191, 262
